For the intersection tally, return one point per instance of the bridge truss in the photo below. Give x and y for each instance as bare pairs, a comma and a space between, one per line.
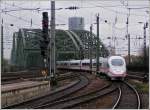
69, 45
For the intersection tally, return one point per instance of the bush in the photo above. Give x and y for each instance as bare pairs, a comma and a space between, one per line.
142, 68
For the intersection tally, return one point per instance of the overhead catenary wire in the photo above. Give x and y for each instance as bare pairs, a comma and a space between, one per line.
22, 19
25, 9
95, 6
66, 24
118, 12
108, 22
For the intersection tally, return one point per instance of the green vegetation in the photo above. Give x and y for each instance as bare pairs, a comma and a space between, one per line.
141, 87
138, 64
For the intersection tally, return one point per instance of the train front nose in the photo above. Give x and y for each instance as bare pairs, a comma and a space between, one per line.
118, 72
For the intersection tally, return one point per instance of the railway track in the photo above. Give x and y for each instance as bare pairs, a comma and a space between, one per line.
53, 95
15, 79
136, 73
135, 77
13, 76
18, 73
77, 100
128, 97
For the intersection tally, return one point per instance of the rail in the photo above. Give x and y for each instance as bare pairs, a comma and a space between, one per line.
53, 95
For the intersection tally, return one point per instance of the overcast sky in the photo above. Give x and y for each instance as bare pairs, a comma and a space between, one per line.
115, 12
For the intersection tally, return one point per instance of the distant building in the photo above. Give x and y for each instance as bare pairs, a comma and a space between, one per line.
76, 23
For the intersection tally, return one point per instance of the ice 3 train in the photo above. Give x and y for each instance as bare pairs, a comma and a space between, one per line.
114, 66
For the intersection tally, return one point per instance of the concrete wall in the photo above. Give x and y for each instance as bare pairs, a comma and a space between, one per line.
17, 96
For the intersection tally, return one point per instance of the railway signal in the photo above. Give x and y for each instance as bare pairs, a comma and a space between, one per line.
44, 41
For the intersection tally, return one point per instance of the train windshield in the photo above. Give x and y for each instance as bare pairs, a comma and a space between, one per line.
117, 62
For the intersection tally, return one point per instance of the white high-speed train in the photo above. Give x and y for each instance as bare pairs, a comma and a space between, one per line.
113, 66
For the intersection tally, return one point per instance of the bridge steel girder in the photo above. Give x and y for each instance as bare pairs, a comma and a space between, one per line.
78, 38
74, 41
69, 45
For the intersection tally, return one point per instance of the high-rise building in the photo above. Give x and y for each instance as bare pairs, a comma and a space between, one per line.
76, 23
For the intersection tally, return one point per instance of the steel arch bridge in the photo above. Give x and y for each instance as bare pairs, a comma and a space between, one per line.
69, 45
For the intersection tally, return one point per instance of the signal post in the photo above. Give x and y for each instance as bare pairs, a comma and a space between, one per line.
52, 46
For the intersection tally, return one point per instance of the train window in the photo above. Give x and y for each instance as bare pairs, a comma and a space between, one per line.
117, 62
74, 63
94, 64
65, 63
85, 64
